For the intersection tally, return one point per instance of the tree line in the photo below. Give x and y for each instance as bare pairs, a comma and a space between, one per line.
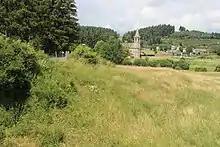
151, 35
50, 25
90, 35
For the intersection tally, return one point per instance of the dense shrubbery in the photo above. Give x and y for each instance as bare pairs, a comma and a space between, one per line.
165, 63
127, 62
18, 66
179, 65
111, 50
218, 52
217, 69
140, 62
201, 69
86, 54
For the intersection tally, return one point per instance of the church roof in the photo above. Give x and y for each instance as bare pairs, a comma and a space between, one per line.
137, 33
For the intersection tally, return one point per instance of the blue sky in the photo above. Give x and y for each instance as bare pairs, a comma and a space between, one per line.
124, 15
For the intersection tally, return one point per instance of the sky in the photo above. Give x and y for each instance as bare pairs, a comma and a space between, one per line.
125, 15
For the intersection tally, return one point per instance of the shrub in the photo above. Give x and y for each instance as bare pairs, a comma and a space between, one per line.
218, 52
127, 62
217, 69
165, 63
112, 50
201, 69
182, 64
18, 66
140, 62
153, 63
178, 68
85, 53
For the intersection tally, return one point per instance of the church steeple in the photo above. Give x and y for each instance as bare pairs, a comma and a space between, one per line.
137, 34
137, 37
136, 47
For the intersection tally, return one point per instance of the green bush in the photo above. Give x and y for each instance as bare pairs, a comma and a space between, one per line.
178, 68
217, 69
18, 66
86, 54
201, 69
181, 64
112, 50
165, 63
218, 52
140, 62
153, 63
127, 62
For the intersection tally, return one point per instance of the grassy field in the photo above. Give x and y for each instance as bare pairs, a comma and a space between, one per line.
123, 107
210, 64
199, 43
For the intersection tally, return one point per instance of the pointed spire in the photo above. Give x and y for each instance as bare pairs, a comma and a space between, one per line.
137, 33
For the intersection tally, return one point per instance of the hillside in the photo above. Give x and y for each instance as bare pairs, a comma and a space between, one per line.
121, 106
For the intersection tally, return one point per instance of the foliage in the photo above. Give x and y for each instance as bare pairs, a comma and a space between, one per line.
112, 50
140, 62
151, 35
218, 51
189, 50
182, 29
201, 69
52, 138
18, 66
195, 34
99, 46
153, 63
165, 63
127, 61
181, 64
86, 53
217, 69
90, 35
49, 25
129, 100
2, 135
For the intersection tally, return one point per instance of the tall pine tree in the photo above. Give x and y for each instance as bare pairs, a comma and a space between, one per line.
49, 24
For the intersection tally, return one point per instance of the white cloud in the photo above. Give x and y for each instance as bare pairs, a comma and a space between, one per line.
123, 15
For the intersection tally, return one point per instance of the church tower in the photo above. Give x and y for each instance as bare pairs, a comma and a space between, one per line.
136, 48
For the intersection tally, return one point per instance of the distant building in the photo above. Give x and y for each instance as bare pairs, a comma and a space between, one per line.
199, 51
135, 48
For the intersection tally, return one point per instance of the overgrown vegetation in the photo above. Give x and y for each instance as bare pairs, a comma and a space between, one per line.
107, 106
201, 69
179, 65
18, 66
88, 101
217, 69
85, 54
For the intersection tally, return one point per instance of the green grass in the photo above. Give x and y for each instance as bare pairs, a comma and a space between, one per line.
201, 43
122, 107
210, 64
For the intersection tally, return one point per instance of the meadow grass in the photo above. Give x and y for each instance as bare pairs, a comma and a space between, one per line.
209, 64
124, 107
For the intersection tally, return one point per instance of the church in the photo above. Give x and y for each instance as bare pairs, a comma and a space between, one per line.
135, 48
